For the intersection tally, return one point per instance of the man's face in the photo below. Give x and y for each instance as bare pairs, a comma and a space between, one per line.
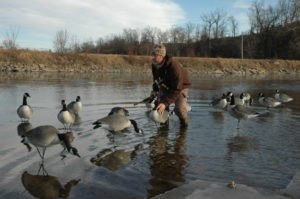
157, 59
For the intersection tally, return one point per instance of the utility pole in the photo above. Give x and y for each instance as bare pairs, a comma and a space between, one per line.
242, 47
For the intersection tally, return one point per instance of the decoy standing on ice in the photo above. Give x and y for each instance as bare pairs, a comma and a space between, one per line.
75, 106
25, 111
46, 136
65, 117
240, 111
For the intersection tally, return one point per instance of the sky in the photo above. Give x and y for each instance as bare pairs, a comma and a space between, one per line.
38, 21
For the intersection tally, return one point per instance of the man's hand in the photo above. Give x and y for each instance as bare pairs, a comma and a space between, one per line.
160, 108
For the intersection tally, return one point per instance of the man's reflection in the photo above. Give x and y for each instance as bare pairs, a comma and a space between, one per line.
168, 161
46, 186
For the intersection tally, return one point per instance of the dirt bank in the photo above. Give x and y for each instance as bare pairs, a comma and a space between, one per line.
36, 61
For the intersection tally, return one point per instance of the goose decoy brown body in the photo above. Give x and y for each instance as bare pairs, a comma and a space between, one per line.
25, 111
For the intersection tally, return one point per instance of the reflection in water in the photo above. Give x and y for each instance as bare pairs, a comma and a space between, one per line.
240, 144
46, 186
112, 159
168, 161
218, 116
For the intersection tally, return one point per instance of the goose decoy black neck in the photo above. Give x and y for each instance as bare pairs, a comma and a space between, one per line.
135, 126
66, 141
25, 98
78, 99
64, 106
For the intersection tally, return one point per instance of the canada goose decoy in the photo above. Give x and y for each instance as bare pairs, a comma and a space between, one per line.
116, 121
219, 103
46, 136
282, 97
75, 106
159, 118
25, 111
268, 102
22, 129
240, 111
119, 111
65, 117
149, 102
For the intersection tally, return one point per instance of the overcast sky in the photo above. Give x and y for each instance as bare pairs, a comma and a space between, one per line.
39, 20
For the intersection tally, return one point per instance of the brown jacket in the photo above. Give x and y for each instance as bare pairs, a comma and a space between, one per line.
171, 77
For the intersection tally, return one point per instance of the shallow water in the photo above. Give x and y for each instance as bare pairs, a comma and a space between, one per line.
263, 153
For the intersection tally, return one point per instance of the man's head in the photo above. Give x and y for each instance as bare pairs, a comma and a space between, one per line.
158, 53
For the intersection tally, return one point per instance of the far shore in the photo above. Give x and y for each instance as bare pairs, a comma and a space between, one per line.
35, 61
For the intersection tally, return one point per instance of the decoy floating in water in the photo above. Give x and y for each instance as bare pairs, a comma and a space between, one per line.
117, 121
268, 102
282, 97
219, 103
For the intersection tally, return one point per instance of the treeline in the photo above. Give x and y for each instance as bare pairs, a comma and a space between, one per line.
274, 33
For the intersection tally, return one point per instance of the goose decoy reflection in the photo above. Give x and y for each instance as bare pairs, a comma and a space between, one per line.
282, 97
112, 159
46, 186
25, 111
46, 136
116, 121
65, 117
75, 106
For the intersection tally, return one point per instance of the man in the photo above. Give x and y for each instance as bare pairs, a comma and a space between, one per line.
171, 83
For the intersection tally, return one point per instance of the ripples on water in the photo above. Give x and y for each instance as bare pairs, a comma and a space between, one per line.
264, 152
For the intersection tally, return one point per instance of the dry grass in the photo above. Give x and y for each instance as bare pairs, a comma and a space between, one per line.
28, 60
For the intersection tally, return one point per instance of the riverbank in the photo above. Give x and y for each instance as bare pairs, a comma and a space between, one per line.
39, 61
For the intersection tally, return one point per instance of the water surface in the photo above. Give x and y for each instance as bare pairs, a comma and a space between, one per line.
263, 153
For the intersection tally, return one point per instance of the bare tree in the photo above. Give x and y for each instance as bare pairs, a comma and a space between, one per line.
131, 37
74, 44
148, 38
10, 38
189, 30
233, 25
60, 41
163, 36
220, 20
